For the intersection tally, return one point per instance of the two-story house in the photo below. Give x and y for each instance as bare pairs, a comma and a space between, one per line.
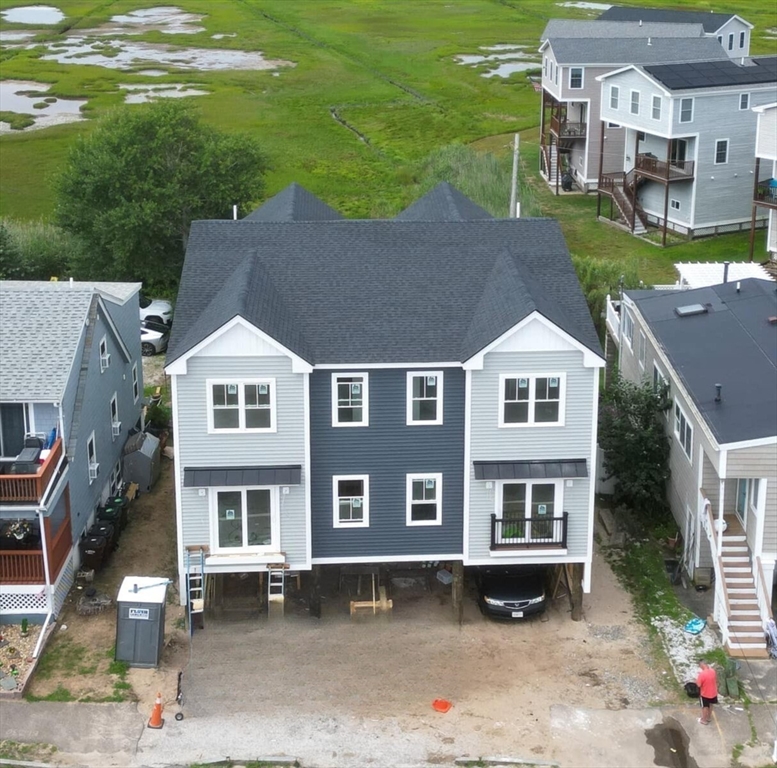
716, 348
71, 385
574, 55
380, 391
731, 31
765, 192
689, 132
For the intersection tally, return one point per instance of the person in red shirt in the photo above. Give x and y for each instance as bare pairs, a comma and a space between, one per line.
707, 681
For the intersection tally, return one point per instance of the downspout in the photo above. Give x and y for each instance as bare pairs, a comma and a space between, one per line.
45, 549
42, 635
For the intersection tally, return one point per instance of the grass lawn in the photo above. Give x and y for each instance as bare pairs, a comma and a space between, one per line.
385, 68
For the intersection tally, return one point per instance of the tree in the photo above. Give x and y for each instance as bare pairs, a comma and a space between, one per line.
132, 187
635, 446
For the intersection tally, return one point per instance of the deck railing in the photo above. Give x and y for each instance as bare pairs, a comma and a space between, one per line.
661, 169
59, 548
529, 532
613, 318
31, 487
26, 566
566, 130
766, 192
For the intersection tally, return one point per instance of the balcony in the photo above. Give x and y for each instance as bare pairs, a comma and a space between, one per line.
566, 130
675, 170
529, 532
766, 193
21, 488
25, 565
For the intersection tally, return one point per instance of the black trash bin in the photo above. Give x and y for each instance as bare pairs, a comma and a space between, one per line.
108, 531
93, 549
116, 516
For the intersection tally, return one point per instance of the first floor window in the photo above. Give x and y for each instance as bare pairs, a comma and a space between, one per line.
351, 501
721, 151
531, 399
527, 511
674, 205
424, 499
747, 497
242, 406
350, 402
244, 518
683, 431
424, 398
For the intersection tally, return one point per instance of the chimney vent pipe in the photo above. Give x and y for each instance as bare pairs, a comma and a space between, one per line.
718, 389
725, 271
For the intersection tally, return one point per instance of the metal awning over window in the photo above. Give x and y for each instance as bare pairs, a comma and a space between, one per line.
530, 470
207, 477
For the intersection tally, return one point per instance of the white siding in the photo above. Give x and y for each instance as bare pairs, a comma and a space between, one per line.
766, 140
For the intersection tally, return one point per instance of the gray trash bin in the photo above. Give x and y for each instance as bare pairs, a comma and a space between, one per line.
140, 621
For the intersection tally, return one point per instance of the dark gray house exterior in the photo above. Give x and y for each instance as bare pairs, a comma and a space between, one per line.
377, 391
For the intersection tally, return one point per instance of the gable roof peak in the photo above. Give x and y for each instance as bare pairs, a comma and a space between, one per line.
443, 203
293, 203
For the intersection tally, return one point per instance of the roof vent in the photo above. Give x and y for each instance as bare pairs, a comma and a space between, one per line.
650, 42
690, 309
773, 320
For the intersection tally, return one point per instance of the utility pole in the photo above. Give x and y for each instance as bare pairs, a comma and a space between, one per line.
515, 205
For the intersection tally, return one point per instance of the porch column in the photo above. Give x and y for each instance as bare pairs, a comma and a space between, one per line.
634, 185
457, 591
575, 571
666, 191
722, 486
314, 602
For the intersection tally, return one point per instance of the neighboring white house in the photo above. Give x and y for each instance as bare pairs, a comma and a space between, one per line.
716, 348
765, 194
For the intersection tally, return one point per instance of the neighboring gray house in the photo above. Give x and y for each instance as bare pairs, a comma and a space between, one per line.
765, 174
731, 31
352, 392
70, 377
574, 55
716, 348
689, 132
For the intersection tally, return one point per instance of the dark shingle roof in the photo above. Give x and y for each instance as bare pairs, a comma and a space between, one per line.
579, 28
714, 74
443, 203
378, 291
628, 50
732, 344
294, 203
712, 22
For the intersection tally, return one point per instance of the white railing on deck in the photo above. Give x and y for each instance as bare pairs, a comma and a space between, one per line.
613, 319
722, 609
764, 604
673, 287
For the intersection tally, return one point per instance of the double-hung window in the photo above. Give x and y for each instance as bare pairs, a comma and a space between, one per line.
531, 400
135, 385
241, 405
105, 358
614, 96
91, 459
115, 423
742, 39
721, 151
351, 501
424, 397
350, 400
686, 110
424, 499
245, 519
527, 511
576, 77
744, 101
683, 431
731, 41
634, 105
656, 114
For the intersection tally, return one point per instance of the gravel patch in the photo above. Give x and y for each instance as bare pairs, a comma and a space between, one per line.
609, 633
682, 648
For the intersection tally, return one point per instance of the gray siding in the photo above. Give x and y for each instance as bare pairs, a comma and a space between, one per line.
490, 443
760, 462
387, 450
46, 417
197, 448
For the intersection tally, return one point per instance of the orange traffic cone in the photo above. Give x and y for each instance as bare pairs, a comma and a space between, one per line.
156, 720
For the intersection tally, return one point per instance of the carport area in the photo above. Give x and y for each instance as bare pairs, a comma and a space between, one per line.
364, 686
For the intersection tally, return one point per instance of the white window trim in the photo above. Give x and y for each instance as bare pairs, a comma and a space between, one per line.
135, 383
674, 204
558, 495
275, 520
615, 91
676, 430
747, 106
365, 522
114, 406
242, 429
730, 41
562, 377
641, 349
89, 462
628, 338
437, 477
653, 107
680, 110
715, 152
105, 357
631, 102
365, 422
742, 38
582, 79
439, 420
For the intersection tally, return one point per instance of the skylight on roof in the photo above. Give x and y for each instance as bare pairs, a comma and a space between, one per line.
690, 309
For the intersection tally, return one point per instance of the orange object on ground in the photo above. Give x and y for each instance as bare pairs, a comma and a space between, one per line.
156, 720
441, 705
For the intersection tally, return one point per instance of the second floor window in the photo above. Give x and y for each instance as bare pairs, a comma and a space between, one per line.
686, 110
242, 406
533, 399
742, 39
424, 397
656, 107
744, 100
634, 106
721, 151
628, 327
615, 93
135, 386
91, 458
731, 41
576, 77
350, 400
683, 431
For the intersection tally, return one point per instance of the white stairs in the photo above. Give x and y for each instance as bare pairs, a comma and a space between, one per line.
746, 633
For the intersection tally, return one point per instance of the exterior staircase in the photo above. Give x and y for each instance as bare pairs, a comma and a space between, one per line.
746, 634
550, 163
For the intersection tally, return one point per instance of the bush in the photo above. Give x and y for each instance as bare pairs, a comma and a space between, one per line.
36, 250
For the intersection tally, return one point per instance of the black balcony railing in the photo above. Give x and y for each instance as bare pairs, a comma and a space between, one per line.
529, 532
766, 192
